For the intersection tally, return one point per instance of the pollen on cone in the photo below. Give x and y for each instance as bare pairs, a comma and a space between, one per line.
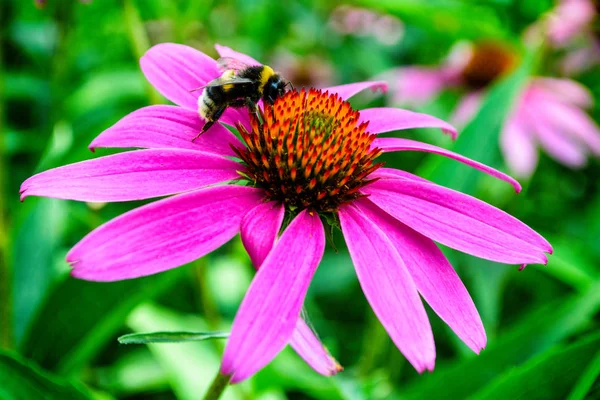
308, 151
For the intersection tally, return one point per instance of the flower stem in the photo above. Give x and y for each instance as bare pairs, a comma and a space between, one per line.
139, 41
217, 387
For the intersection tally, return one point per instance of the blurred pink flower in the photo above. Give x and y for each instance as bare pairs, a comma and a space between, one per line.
549, 112
571, 26
311, 159
569, 19
350, 20
305, 72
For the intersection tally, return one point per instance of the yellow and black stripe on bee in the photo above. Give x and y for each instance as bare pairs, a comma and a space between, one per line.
241, 87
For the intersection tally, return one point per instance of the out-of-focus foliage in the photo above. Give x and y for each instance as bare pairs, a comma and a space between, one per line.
70, 70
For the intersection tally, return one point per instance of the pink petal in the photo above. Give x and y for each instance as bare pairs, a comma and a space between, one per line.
308, 346
565, 90
398, 144
387, 119
518, 147
174, 70
418, 85
163, 235
396, 173
260, 228
466, 109
459, 221
389, 288
562, 148
225, 51
568, 20
571, 120
269, 312
350, 89
166, 127
433, 275
133, 175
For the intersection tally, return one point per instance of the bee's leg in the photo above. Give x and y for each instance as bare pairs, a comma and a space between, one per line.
252, 105
210, 122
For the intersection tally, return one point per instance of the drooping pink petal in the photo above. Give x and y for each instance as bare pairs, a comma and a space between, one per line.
348, 90
389, 288
308, 346
518, 147
565, 90
387, 119
398, 144
225, 51
175, 70
260, 228
466, 109
259, 231
555, 142
269, 312
433, 275
166, 127
571, 120
133, 175
163, 235
459, 221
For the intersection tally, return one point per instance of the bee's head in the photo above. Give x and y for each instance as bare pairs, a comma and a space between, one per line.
275, 88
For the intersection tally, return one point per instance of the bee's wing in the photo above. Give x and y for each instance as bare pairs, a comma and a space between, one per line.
220, 81
227, 63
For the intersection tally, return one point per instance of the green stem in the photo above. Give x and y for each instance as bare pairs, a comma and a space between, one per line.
207, 302
217, 387
375, 344
139, 41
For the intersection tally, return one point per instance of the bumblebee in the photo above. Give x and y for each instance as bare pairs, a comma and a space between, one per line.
240, 85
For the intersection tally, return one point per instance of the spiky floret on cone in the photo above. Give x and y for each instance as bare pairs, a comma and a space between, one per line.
309, 150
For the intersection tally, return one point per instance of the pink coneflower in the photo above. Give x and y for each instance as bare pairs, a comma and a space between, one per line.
569, 19
363, 22
550, 112
309, 160
572, 27
305, 72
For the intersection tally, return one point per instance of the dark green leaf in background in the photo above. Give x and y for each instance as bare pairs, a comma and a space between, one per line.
34, 250
22, 380
536, 333
80, 317
549, 376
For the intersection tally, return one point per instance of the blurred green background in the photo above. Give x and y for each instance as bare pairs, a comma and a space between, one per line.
70, 69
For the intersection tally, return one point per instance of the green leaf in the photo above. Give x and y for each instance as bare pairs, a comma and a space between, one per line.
548, 376
21, 379
37, 240
479, 139
170, 337
536, 333
191, 366
80, 317
587, 379
570, 264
